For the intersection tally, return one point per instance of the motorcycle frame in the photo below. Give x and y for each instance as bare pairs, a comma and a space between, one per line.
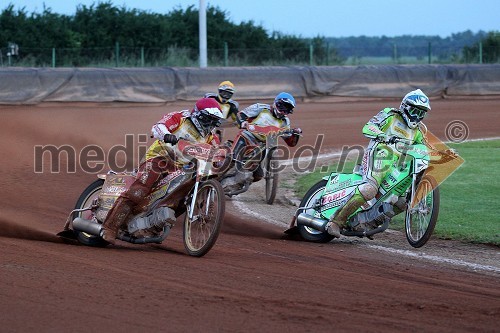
204, 171
414, 171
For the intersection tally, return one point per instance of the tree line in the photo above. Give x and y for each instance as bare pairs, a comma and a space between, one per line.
104, 25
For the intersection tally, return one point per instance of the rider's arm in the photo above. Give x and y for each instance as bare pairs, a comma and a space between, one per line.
292, 139
251, 111
378, 124
233, 110
421, 137
167, 125
240, 118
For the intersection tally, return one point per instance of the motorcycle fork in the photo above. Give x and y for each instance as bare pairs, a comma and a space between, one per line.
193, 199
412, 197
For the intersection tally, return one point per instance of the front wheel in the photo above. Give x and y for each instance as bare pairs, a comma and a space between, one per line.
86, 198
271, 175
202, 230
422, 217
308, 233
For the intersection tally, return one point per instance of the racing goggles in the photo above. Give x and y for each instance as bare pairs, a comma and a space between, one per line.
208, 120
416, 113
284, 107
225, 94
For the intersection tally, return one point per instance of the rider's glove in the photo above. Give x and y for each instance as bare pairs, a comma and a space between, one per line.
451, 152
297, 131
390, 139
170, 138
244, 124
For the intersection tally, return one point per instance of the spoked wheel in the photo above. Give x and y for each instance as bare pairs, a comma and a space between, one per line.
308, 233
88, 196
422, 217
271, 175
201, 232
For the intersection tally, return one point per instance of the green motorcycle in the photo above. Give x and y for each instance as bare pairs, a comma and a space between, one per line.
407, 187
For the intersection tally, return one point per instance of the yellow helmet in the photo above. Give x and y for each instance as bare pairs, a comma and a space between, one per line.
226, 91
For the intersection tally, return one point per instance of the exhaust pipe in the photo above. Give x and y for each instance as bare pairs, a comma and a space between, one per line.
311, 221
87, 226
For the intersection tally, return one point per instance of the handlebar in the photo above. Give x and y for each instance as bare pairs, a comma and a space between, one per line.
267, 130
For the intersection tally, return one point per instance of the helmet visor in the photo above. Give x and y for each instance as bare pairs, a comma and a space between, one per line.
283, 107
225, 94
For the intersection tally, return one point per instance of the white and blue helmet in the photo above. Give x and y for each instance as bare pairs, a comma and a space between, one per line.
284, 103
414, 107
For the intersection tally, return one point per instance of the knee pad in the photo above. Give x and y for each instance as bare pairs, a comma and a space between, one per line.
368, 190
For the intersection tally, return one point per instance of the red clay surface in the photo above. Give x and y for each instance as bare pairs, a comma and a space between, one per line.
253, 280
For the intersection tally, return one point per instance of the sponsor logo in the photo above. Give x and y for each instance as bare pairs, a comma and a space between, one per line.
333, 196
334, 179
157, 194
171, 176
401, 131
107, 201
345, 183
115, 189
197, 151
117, 181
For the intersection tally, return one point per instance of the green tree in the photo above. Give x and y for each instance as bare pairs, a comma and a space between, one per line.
89, 37
490, 49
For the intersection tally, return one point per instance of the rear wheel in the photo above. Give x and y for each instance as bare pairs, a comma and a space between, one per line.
271, 176
308, 233
422, 217
86, 198
201, 232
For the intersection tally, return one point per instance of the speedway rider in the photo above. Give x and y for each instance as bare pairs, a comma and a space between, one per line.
380, 155
163, 156
269, 115
224, 98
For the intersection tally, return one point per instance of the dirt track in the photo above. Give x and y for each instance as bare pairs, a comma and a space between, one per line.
254, 279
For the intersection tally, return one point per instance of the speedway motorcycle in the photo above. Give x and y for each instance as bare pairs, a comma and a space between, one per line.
260, 145
406, 188
193, 190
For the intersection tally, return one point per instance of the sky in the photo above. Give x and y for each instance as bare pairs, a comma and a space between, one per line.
325, 18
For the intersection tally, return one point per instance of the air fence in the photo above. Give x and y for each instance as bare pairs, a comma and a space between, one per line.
21, 85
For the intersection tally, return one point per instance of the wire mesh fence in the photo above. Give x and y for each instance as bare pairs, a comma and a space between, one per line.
120, 56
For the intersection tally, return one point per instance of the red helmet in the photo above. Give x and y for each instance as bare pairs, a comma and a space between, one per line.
206, 115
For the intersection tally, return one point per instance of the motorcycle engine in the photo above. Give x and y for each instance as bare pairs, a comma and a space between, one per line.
153, 223
372, 218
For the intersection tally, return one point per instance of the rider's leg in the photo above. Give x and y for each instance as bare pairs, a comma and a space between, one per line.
238, 151
258, 174
363, 193
376, 164
116, 218
148, 174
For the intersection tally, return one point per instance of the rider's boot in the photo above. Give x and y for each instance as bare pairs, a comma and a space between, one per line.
258, 174
339, 219
117, 216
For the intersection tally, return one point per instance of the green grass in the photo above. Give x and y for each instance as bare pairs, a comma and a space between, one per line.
469, 197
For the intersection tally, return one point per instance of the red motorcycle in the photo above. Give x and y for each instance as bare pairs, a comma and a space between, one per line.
193, 190
260, 144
